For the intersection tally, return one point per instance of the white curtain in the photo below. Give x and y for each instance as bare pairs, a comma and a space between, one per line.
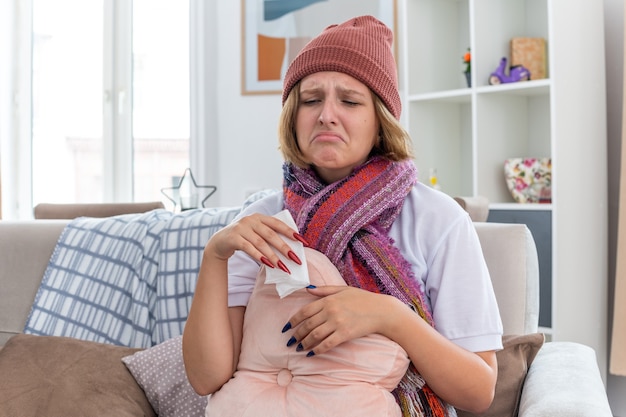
618, 343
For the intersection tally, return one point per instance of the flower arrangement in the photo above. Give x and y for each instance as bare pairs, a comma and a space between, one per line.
467, 60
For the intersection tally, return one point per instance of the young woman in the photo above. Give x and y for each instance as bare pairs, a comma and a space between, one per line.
351, 186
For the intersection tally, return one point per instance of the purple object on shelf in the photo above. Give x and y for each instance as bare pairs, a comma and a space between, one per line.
516, 73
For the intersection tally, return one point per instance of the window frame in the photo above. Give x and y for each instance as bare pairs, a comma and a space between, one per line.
16, 196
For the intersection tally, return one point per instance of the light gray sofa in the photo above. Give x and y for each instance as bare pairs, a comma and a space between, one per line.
562, 380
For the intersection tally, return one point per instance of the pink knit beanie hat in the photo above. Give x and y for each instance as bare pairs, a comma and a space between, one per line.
359, 47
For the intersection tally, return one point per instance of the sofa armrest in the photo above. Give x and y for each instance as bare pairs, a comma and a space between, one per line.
25, 248
564, 380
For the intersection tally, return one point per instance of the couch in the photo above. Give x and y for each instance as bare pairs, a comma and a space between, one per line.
71, 211
536, 378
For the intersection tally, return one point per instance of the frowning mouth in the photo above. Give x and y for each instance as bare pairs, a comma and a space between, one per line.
327, 137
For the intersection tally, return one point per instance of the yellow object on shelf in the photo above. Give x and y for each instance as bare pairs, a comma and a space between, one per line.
434, 182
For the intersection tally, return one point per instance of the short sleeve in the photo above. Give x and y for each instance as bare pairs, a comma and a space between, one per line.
439, 239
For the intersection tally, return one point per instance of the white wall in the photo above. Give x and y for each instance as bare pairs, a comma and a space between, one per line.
614, 46
248, 158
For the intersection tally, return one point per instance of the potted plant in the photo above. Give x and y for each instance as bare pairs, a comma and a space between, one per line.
467, 60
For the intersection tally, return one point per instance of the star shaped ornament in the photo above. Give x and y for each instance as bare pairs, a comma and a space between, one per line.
188, 194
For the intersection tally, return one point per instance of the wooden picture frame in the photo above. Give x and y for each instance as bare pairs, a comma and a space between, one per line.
272, 36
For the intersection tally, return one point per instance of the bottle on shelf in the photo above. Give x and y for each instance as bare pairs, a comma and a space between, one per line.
433, 179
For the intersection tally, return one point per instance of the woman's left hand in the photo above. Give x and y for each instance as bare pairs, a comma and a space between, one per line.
341, 314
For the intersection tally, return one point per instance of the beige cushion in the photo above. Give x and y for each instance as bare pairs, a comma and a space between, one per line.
513, 363
59, 376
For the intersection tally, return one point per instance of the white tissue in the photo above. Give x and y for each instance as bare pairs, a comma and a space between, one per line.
299, 277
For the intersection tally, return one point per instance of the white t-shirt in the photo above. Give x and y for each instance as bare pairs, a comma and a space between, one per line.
438, 238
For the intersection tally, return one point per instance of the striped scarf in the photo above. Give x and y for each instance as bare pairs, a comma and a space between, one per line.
349, 222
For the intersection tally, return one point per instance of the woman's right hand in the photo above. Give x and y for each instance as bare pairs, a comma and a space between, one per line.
256, 235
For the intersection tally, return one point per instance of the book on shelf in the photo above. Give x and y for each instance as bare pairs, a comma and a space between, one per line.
531, 53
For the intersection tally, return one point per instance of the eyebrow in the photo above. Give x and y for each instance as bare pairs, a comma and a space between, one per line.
351, 91
343, 90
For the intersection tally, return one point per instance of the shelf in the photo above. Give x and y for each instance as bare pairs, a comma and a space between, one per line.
443, 141
466, 134
462, 95
522, 88
518, 206
436, 56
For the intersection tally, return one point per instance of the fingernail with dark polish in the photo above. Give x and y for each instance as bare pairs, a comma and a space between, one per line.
267, 262
311, 353
299, 348
311, 287
286, 327
282, 266
302, 240
291, 341
294, 257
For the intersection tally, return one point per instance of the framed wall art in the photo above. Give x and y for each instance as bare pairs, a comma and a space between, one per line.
274, 31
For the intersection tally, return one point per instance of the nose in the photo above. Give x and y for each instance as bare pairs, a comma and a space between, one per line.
328, 113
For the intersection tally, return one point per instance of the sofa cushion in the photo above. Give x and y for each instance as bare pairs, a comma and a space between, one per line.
513, 363
60, 376
353, 379
160, 371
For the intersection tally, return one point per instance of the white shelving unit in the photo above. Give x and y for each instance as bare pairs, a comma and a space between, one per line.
466, 133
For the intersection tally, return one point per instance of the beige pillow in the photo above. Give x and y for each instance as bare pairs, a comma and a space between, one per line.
60, 376
513, 363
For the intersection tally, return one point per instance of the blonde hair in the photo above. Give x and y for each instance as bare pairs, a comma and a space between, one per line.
394, 141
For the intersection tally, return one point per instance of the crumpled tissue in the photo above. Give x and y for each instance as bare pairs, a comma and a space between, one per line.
299, 277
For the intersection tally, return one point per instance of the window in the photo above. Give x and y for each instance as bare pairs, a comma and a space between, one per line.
110, 99
160, 95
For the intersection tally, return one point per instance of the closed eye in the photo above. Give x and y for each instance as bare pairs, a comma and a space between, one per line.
351, 97
310, 102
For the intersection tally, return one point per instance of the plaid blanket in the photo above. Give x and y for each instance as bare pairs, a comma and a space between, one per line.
126, 280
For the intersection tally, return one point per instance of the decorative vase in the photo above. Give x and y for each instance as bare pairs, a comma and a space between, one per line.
468, 78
